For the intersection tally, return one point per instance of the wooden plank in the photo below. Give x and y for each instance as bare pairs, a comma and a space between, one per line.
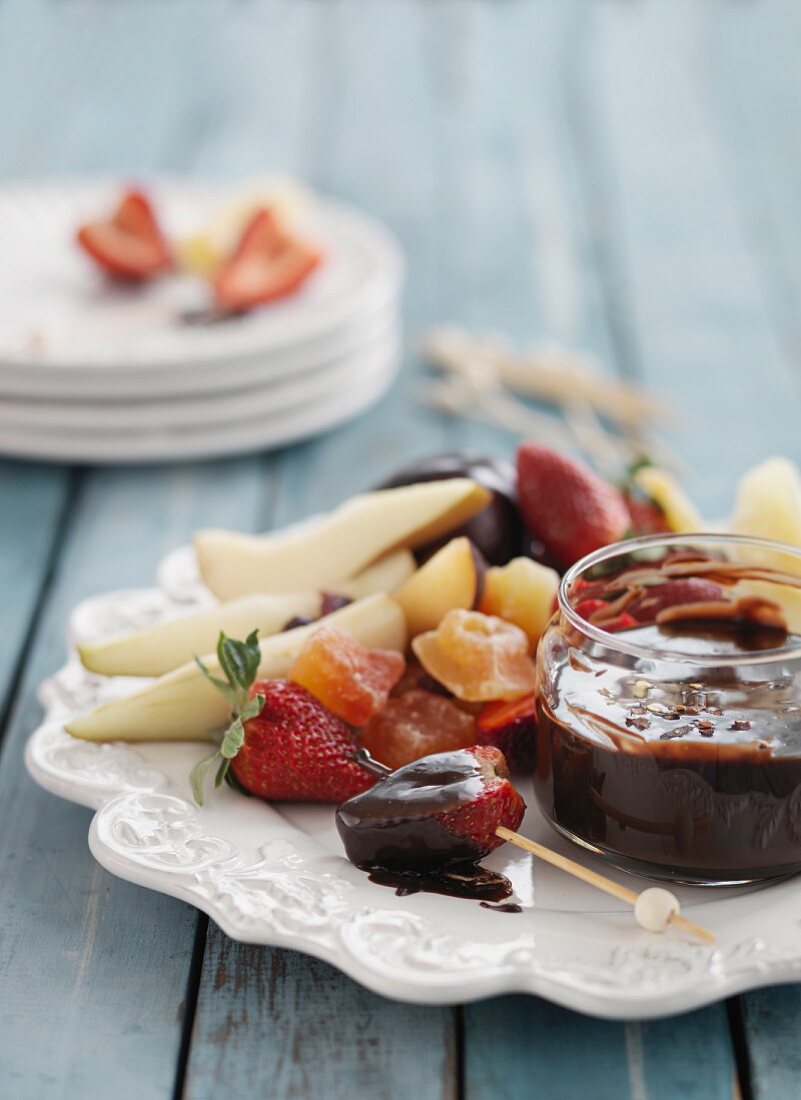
273, 1022
276, 1023
753, 116
512, 1042
81, 953
97, 966
699, 200
770, 1028
32, 500
521, 1046
749, 69
478, 261
678, 258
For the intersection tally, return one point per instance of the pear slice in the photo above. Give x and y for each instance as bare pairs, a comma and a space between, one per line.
384, 575
340, 544
184, 706
160, 649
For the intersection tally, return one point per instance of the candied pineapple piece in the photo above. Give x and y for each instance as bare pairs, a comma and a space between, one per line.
477, 657
523, 593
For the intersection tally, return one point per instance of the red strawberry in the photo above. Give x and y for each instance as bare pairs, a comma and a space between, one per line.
512, 728
439, 810
647, 518
130, 244
267, 263
567, 505
657, 597
296, 749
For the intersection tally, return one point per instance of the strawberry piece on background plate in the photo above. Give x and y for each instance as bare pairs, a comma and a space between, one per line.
129, 244
566, 505
267, 263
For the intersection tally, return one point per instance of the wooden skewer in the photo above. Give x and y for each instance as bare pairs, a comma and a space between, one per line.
550, 373
592, 878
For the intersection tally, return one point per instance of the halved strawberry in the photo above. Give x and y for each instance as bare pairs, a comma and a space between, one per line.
679, 593
267, 263
129, 244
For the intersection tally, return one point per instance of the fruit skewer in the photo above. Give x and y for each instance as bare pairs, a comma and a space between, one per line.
654, 908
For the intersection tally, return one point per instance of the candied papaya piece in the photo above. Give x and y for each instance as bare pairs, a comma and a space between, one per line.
417, 724
477, 657
353, 681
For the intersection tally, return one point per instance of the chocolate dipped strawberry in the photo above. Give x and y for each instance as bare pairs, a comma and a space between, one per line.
426, 825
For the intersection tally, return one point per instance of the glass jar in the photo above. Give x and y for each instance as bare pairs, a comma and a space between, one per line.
669, 686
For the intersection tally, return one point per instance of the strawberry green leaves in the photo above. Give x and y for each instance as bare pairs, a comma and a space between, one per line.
239, 661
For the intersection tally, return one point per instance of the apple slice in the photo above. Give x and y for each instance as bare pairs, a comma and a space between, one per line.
184, 706
341, 544
521, 592
160, 649
450, 578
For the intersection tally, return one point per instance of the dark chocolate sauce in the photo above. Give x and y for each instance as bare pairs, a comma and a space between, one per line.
696, 778
203, 316
508, 907
457, 880
393, 830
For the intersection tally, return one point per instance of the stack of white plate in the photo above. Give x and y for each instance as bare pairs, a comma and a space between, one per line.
90, 372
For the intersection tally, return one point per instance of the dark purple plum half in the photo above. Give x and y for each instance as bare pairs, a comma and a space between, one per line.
497, 531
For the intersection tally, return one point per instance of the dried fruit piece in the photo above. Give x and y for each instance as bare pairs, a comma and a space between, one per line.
416, 724
522, 593
477, 657
512, 728
352, 681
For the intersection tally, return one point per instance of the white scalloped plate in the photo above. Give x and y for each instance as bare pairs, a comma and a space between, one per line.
66, 333
275, 874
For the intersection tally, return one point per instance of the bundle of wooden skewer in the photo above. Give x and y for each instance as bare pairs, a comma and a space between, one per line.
484, 377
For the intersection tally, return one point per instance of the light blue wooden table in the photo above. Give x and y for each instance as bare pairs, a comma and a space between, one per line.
624, 175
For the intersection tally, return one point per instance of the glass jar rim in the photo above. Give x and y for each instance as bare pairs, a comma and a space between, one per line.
617, 641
